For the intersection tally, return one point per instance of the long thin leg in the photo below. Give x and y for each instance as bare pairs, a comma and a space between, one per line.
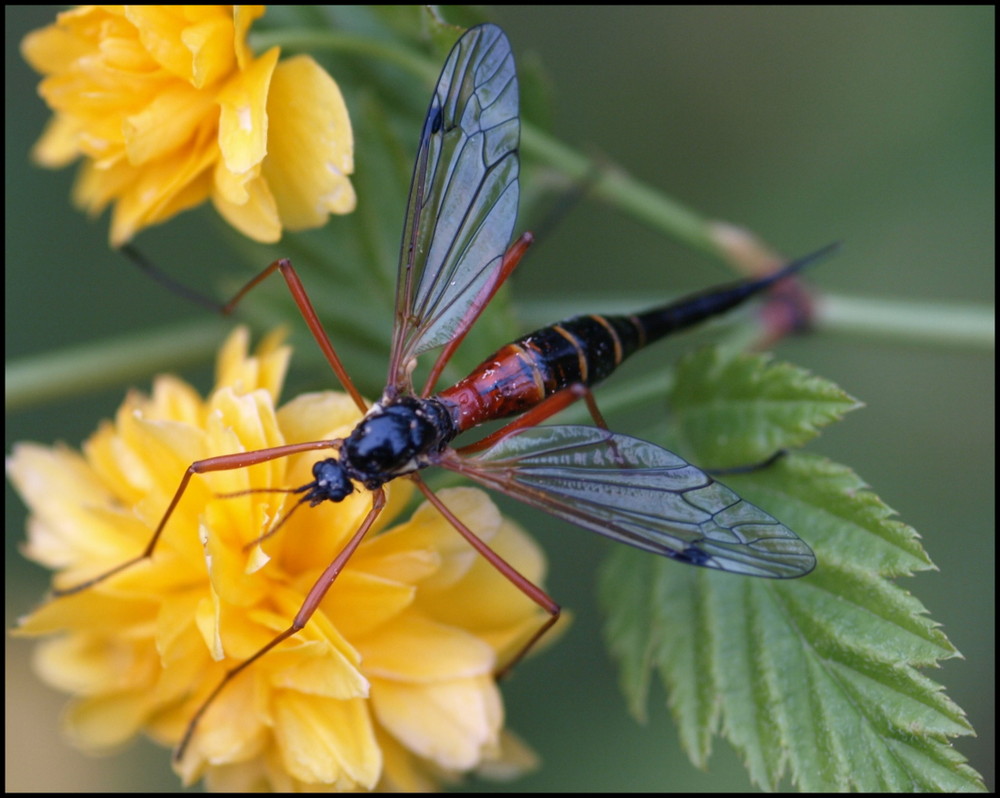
150, 270
312, 320
225, 462
522, 583
748, 469
298, 294
510, 260
309, 606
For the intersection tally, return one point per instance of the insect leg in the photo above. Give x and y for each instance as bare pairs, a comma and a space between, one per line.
294, 285
309, 606
748, 469
525, 585
152, 271
579, 188
225, 462
309, 314
510, 260
588, 398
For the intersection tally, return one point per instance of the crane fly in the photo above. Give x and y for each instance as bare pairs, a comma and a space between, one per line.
455, 254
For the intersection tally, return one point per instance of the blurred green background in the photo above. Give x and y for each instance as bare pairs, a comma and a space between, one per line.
870, 126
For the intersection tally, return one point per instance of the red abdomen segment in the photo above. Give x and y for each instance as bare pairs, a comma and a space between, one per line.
583, 350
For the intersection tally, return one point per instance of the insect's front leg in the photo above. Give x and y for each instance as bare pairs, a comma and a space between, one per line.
308, 312
225, 462
306, 611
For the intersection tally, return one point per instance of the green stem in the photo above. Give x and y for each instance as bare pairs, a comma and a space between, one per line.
618, 188
76, 370
955, 324
959, 324
80, 369
333, 41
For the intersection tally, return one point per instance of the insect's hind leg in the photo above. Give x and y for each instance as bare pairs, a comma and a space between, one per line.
522, 583
748, 469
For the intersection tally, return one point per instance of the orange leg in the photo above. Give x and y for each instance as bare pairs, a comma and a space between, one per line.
522, 583
312, 320
225, 462
309, 606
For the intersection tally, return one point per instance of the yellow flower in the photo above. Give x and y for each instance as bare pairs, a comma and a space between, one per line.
168, 107
391, 682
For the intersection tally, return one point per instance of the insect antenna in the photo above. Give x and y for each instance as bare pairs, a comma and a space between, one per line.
281, 522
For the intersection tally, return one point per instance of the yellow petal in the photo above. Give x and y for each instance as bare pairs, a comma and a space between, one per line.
324, 741
317, 668
59, 144
243, 118
161, 189
95, 665
243, 373
243, 18
310, 145
490, 601
54, 49
449, 723
415, 649
246, 202
428, 529
60, 487
169, 122
382, 600
191, 42
106, 721
318, 416
237, 731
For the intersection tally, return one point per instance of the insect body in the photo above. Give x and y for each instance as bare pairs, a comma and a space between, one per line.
454, 256
583, 351
404, 433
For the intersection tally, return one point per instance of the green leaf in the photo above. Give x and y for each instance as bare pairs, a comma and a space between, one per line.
815, 677
740, 410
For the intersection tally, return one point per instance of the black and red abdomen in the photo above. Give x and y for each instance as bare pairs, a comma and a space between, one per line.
583, 350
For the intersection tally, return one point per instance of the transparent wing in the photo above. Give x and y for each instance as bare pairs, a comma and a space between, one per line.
463, 198
640, 494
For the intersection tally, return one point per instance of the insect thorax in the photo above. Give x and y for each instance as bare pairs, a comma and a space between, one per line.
398, 436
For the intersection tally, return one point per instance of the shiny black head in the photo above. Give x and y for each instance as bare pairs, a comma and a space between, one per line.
330, 483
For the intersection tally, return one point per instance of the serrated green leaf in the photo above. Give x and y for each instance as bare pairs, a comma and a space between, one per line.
736, 411
815, 677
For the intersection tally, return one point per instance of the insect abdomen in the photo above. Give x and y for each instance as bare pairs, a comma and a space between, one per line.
585, 349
